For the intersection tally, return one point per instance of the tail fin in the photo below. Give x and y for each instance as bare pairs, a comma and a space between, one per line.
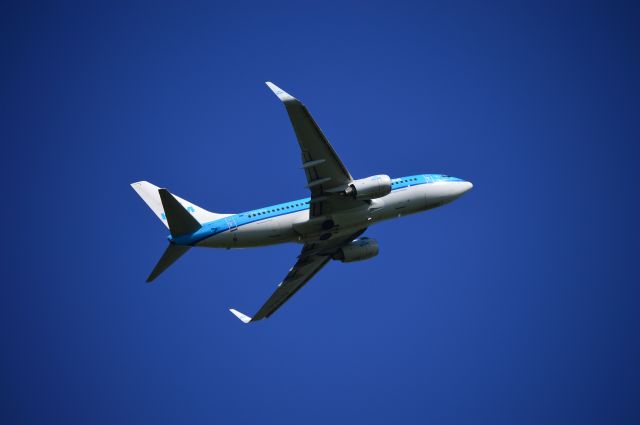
171, 254
180, 217
180, 222
150, 195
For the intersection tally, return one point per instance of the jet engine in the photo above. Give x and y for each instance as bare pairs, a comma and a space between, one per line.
370, 188
358, 250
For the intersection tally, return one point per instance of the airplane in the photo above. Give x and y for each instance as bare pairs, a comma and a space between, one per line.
328, 223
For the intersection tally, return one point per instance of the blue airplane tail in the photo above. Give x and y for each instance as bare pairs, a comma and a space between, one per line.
180, 222
177, 214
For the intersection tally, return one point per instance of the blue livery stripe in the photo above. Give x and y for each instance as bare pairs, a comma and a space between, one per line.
237, 220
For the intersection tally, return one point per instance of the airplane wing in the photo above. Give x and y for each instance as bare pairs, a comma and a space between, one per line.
313, 257
325, 172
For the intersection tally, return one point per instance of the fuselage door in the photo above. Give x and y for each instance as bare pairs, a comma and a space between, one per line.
231, 222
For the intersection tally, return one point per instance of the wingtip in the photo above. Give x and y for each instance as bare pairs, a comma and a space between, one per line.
282, 95
243, 317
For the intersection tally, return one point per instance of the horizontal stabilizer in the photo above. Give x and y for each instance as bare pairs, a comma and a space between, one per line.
243, 317
171, 254
179, 219
149, 194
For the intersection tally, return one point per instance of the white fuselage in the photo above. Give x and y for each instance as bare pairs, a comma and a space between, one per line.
290, 222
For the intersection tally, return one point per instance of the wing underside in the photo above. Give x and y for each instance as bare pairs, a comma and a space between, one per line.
326, 174
326, 177
314, 256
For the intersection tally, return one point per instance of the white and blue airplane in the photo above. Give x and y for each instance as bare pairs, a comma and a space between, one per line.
328, 224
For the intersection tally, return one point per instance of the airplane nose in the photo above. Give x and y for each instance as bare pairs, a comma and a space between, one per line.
461, 188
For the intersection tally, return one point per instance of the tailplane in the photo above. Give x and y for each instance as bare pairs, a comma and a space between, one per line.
151, 196
180, 216
171, 254
179, 220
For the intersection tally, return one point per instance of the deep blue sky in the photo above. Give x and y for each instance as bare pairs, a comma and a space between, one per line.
517, 304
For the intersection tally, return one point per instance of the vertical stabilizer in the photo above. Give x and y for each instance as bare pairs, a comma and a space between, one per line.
149, 194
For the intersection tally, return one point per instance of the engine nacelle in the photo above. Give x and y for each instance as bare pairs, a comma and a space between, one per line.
358, 250
370, 188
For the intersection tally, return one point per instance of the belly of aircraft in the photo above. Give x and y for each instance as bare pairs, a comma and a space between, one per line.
270, 231
280, 229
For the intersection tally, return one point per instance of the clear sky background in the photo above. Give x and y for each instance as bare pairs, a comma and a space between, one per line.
517, 304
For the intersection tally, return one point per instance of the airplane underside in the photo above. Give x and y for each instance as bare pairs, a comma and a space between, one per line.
296, 227
328, 224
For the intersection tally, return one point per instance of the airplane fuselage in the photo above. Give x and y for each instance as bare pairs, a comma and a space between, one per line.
328, 224
290, 222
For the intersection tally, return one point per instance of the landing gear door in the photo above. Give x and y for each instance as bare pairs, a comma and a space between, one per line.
231, 222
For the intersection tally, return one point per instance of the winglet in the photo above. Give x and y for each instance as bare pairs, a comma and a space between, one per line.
243, 317
282, 95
